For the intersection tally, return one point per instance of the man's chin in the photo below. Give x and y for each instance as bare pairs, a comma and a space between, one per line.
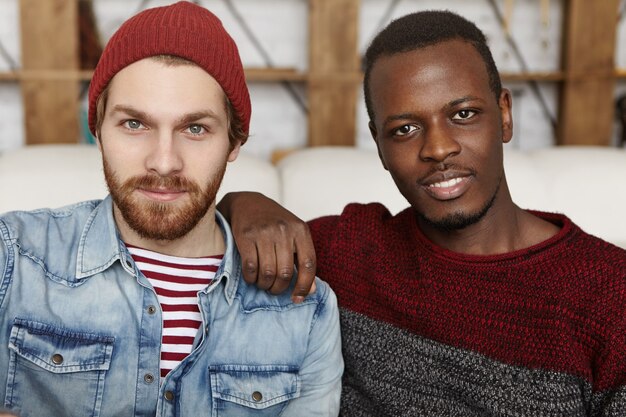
161, 234
161, 221
453, 222
459, 219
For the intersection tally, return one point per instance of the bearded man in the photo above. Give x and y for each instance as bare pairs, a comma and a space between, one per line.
463, 304
136, 305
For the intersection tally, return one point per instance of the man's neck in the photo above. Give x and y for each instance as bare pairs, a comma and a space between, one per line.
206, 239
503, 229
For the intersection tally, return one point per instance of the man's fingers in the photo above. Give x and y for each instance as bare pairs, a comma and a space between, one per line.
305, 282
267, 236
284, 266
249, 261
267, 265
306, 261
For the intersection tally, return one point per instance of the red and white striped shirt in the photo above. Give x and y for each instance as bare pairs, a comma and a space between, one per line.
176, 282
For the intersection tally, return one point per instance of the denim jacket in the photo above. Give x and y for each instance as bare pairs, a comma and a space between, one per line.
80, 331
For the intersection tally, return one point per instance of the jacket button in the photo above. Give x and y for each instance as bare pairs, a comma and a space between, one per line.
257, 396
57, 359
169, 395
149, 378
151, 310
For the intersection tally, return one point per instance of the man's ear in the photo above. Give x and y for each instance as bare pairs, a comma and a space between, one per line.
373, 130
374, 134
505, 103
234, 153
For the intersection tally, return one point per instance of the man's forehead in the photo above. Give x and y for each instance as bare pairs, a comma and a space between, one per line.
152, 71
454, 60
447, 51
157, 89
428, 79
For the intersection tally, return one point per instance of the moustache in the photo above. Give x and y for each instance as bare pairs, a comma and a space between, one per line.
442, 167
174, 183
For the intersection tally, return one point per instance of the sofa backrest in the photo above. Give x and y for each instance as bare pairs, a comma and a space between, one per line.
49, 176
586, 183
56, 175
321, 181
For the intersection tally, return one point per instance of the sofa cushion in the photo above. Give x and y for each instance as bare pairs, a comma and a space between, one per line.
39, 176
321, 181
585, 183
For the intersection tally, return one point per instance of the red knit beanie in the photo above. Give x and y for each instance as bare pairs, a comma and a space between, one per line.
182, 29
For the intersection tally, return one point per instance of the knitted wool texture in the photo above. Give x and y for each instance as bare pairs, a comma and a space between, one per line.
429, 332
182, 29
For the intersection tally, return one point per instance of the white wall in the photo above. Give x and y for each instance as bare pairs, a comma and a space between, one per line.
278, 121
11, 114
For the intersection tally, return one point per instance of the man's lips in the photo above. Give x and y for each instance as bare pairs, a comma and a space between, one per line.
447, 186
161, 195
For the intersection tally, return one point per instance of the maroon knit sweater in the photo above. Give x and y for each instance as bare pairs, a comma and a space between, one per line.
429, 332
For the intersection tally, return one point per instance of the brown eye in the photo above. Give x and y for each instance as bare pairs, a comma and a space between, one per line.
463, 114
404, 130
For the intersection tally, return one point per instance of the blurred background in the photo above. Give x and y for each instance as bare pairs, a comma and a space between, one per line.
564, 61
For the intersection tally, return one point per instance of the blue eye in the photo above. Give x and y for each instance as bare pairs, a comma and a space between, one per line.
133, 124
196, 130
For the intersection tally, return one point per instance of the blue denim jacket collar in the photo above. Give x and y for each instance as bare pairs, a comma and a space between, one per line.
100, 246
230, 269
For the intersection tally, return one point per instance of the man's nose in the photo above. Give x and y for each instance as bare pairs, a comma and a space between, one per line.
439, 143
164, 158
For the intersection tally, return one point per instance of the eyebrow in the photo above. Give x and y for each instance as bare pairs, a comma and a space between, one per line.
130, 111
184, 119
462, 100
199, 115
405, 116
402, 116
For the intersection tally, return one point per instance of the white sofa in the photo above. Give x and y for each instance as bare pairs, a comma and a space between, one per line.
586, 183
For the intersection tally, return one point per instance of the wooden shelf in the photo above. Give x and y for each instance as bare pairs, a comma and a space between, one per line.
9, 76
533, 76
265, 75
252, 74
620, 73
274, 74
45, 75
269, 75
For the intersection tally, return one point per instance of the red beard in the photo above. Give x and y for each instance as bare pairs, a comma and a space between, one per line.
162, 221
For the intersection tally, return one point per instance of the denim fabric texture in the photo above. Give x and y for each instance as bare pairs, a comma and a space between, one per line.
80, 331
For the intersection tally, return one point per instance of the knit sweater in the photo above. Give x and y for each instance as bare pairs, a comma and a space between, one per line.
429, 332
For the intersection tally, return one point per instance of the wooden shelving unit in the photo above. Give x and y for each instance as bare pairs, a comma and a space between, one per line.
556, 76
586, 107
50, 77
252, 74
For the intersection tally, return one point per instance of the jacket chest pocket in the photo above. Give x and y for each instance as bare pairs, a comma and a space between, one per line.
55, 371
240, 390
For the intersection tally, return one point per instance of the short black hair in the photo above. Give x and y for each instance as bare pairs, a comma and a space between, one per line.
426, 28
